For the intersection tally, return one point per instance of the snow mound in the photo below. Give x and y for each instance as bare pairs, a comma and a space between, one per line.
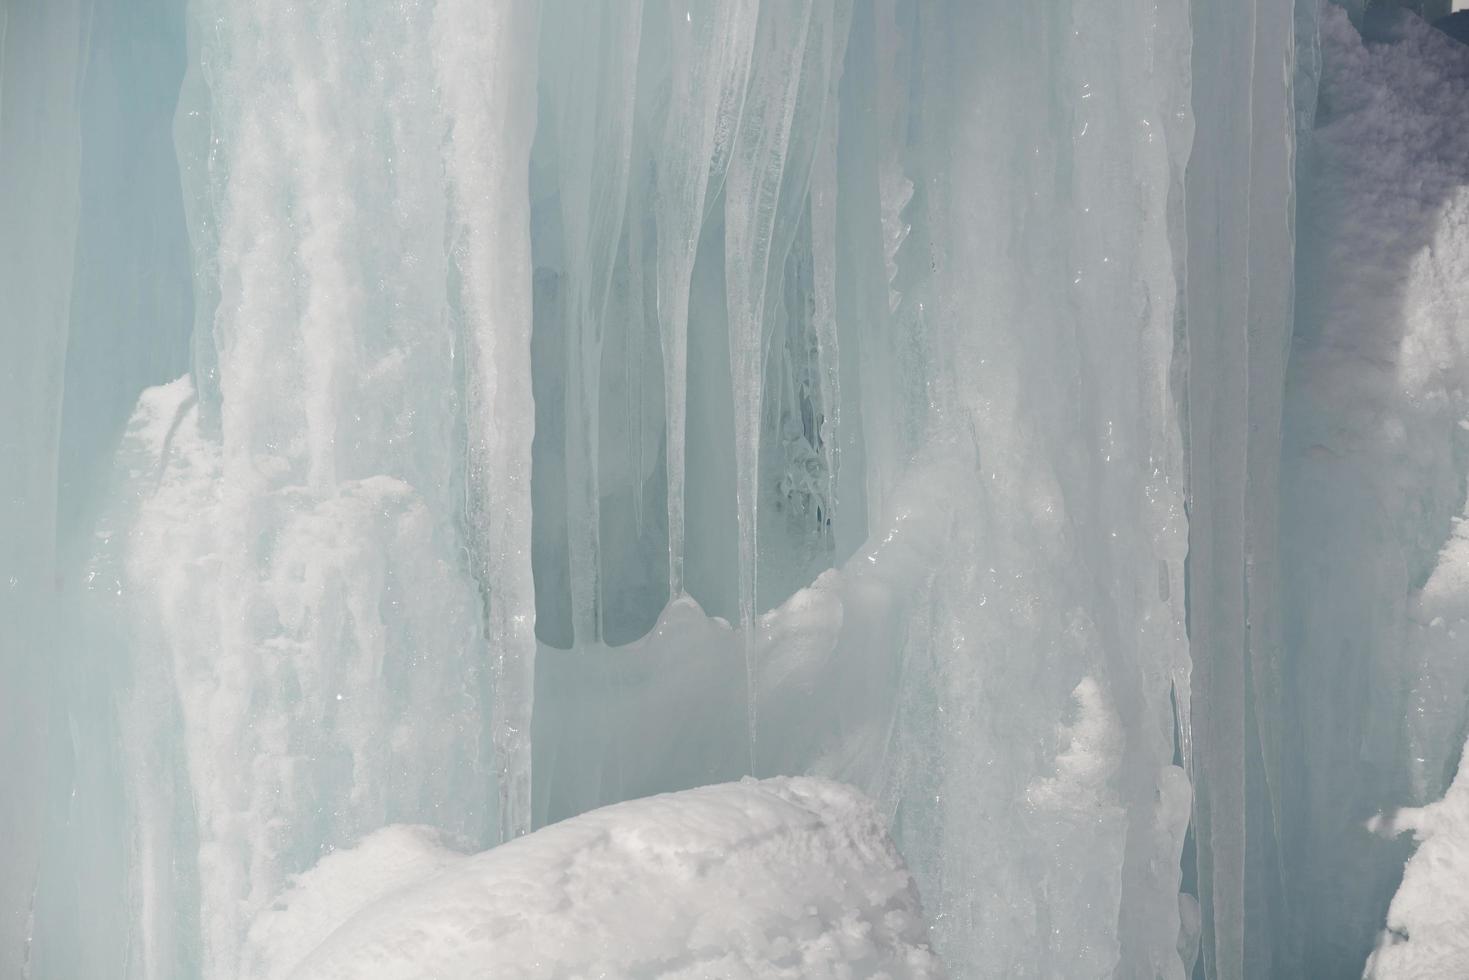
1427, 934
341, 885
785, 877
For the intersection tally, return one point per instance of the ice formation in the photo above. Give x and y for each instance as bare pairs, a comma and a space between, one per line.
441, 427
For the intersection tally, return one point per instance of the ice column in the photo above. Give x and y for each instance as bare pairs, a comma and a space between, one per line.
488, 80
1241, 239
310, 625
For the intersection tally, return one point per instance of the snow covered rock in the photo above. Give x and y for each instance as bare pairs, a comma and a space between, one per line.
785, 877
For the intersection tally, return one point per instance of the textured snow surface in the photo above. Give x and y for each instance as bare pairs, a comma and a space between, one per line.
781, 878
1427, 935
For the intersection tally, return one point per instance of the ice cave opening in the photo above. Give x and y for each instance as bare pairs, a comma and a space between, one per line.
734, 488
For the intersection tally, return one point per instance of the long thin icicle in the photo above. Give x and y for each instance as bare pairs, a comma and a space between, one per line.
824, 261
711, 45
592, 100
488, 83
752, 193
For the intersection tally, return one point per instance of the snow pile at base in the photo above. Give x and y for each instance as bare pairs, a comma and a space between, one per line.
340, 885
785, 877
1427, 935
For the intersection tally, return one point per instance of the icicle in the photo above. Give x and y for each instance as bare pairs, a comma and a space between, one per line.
488, 88
645, 425
592, 96
752, 194
632, 341
711, 61
823, 219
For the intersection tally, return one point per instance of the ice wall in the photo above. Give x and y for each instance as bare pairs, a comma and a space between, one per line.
938, 504
589, 401
908, 431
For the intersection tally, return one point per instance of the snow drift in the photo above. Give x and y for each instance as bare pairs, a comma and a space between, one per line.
779, 878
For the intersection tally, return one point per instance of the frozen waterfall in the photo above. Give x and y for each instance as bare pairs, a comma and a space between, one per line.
447, 446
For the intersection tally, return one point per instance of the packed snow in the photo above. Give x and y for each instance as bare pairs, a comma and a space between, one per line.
1427, 934
780, 878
